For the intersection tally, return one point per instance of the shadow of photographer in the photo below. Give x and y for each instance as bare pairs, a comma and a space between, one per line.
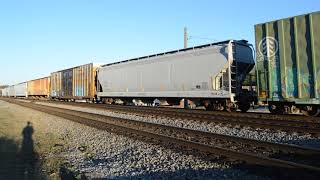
27, 154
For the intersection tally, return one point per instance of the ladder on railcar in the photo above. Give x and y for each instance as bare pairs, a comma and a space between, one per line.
234, 73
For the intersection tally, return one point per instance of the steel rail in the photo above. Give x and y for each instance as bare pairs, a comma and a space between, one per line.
250, 158
286, 125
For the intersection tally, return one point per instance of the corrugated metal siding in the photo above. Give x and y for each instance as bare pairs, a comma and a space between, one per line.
39, 87
76, 83
315, 48
66, 84
55, 83
83, 80
293, 71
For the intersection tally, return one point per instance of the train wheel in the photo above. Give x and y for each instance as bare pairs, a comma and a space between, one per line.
272, 108
219, 107
244, 107
276, 109
311, 111
207, 105
230, 106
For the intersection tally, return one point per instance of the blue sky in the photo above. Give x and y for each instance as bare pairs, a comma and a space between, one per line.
39, 37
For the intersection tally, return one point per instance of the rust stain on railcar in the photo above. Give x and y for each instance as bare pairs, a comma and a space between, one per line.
39, 87
74, 83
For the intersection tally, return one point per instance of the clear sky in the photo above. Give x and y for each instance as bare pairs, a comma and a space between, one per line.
39, 37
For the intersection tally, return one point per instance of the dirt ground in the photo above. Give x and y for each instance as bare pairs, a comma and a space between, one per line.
24, 145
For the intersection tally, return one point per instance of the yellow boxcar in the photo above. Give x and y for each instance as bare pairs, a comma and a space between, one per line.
39, 87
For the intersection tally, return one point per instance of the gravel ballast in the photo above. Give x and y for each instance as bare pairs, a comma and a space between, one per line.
100, 154
245, 132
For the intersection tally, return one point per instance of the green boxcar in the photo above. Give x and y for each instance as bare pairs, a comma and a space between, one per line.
288, 62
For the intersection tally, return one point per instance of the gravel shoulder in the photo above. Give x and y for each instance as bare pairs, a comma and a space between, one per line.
100, 154
245, 132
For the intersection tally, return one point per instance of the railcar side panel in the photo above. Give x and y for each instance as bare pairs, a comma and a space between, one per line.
288, 59
39, 87
55, 85
66, 85
171, 75
84, 81
20, 90
5, 92
74, 83
315, 49
11, 92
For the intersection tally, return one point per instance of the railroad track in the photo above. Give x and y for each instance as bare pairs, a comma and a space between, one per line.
292, 117
287, 157
235, 119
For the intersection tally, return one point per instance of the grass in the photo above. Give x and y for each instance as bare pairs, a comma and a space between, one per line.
48, 147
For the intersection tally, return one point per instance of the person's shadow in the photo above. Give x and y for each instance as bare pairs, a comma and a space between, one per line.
27, 153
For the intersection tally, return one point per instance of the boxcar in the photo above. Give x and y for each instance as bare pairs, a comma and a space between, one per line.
74, 83
288, 64
39, 87
20, 90
209, 75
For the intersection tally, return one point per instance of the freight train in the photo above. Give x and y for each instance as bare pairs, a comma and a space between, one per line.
287, 73
210, 75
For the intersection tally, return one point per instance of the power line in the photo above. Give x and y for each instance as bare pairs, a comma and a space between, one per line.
203, 38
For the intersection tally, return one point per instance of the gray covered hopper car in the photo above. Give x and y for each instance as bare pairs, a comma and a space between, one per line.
20, 90
210, 75
5, 92
11, 92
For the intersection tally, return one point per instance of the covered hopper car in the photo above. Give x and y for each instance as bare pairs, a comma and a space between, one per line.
5, 92
19, 90
288, 64
11, 92
210, 75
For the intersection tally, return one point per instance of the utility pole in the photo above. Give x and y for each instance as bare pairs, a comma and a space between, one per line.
185, 37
